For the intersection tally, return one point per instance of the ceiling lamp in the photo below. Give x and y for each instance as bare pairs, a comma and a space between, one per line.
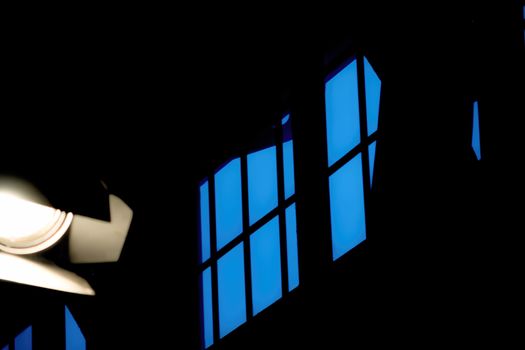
30, 225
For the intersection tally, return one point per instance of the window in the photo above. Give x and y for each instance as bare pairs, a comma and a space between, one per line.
352, 115
248, 238
476, 145
74, 338
24, 340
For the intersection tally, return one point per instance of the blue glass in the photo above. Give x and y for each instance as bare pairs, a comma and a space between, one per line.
347, 207
476, 145
228, 202
287, 128
289, 175
24, 340
291, 248
74, 338
205, 222
342, 113
371, 160
262, 182
207, 309
373, 94
232, 296
266, 266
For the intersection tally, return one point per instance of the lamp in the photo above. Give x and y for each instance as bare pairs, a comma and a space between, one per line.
30, 225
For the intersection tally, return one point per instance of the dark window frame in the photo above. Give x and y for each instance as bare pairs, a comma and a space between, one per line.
332, 68
215, 255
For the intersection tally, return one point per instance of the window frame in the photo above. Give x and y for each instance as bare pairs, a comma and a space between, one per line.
335, 66
248, 229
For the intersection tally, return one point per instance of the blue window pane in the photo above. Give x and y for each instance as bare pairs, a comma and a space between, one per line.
262, 183
205, 222
342, 113
372, 93
347, 208
232, 297
476, 146
266, 266
371, 160
228, 202
74, 338
207, 309
24, 341
291, 248
289, 175
287, 128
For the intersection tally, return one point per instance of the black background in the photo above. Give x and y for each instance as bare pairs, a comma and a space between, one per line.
152, 100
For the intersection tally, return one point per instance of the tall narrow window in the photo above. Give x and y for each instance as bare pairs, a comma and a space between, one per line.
24, 340
248, 235
476, 143
351, 133
74, 338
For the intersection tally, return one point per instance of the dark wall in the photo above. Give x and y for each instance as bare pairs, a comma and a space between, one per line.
151, 106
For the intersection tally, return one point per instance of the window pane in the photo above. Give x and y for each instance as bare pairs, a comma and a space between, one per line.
228, 202
291, 248
476, 146
232, 297
289, 175
347, 209
371, 160
207, 309
342, 113
74, 338
205, 222
266, 266
24, 341
262, 183
373, 93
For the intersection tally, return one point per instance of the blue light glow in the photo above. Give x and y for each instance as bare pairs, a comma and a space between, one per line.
476, 145
24, 340
207, 308
291, 248
205, 222
262, 183
228, 202
371, 160
373, 94
342, 113
289, 175
5, 347
74, 338
347, 208
232, 296
266, 266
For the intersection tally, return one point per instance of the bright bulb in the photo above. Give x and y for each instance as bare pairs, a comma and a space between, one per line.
23, 222
27, 227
